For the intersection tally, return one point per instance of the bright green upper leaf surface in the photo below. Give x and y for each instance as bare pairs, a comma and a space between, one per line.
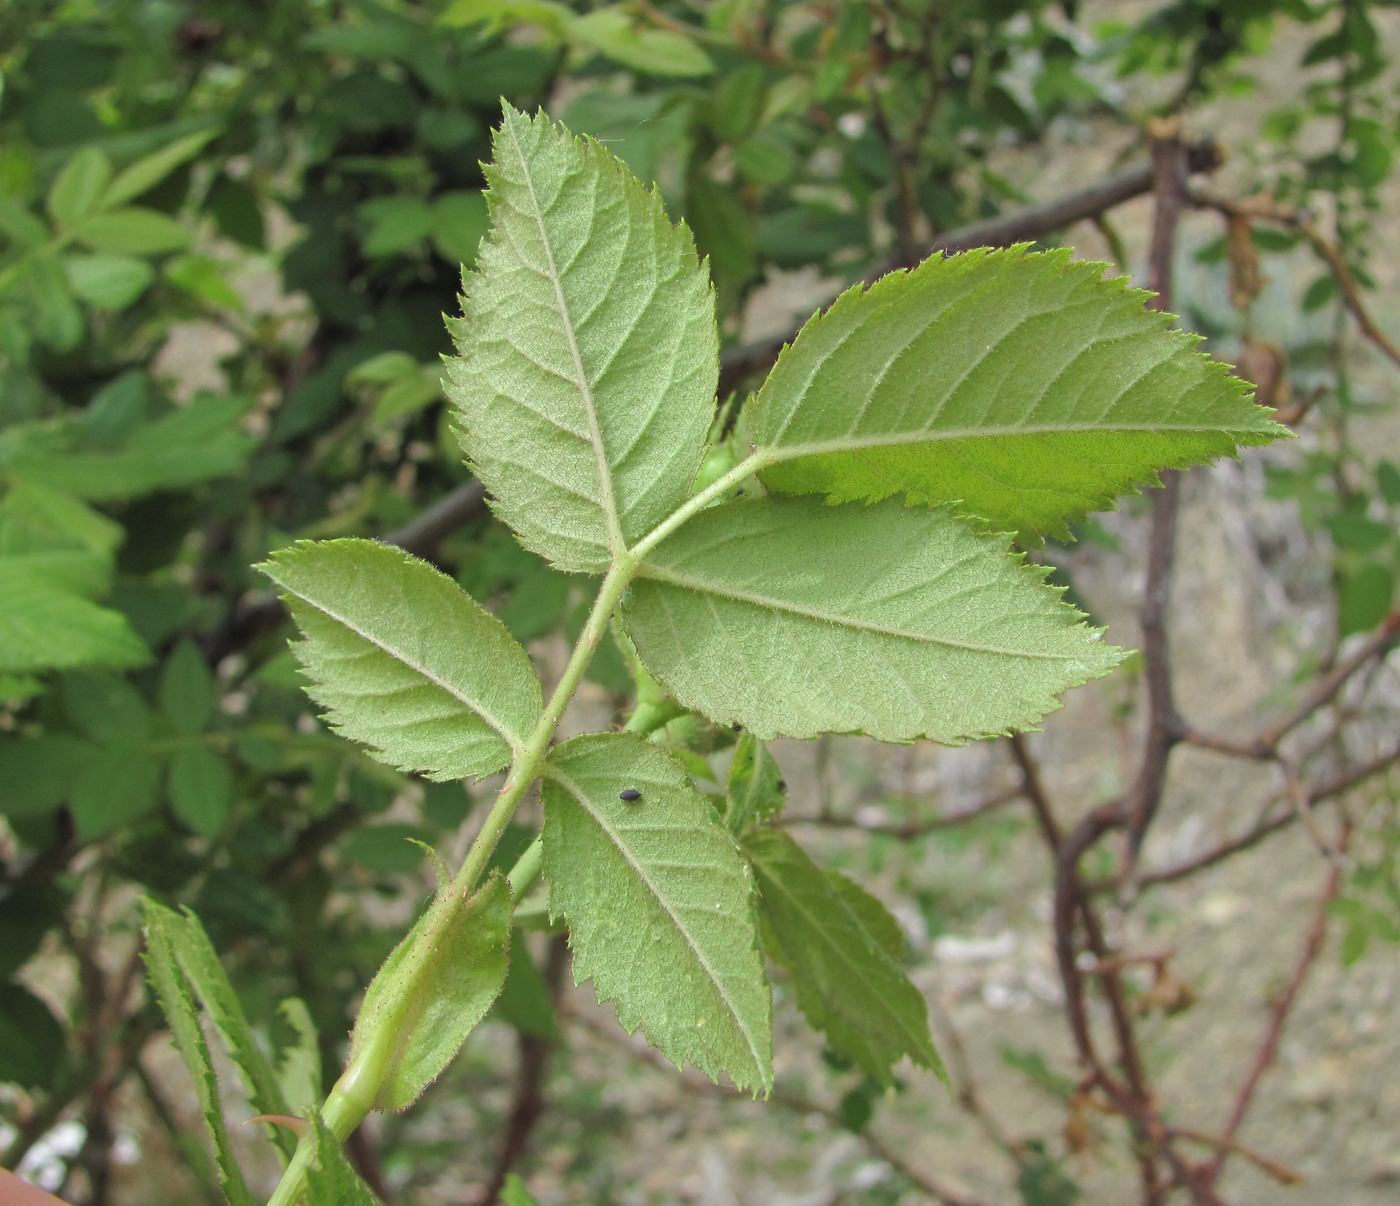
404, 660
434, 994
794, 618
847, 984
1022, 387
588, 351
659, 904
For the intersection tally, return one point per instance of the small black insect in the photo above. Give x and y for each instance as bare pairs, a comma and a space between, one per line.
629, 794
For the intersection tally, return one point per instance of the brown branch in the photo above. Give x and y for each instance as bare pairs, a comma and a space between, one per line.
1265, 209
1278, 1016
1170, 168
914, 829
964, 1085
1280, 1172
1023, 225
528, 1103
1040, 220
1262, 829
938, 1191
1131, 1097
422, 535
261, 611
1034, 789
1264, 745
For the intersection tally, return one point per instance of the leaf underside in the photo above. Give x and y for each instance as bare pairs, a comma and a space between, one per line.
793, 618
848, 985
404, 660
1023, 387
588, 351
659, 905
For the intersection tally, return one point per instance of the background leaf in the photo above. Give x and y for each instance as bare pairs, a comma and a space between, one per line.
186, 690
659, 905
588, 356
33, 1048
1023, 387
183, 937
201, 789
404, 660
190, 445
49, 621
78, 188
299, 1065
847, 983
109, 282
133, 231
177, 1002
150, 170
790, 617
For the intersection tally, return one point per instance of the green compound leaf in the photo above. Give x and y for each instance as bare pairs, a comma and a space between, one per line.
659, 905
793, 618
404, 660
848, 984
430, 1015
1023, 387
588, 351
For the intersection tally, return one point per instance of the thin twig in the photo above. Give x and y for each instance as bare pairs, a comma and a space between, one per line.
528, 1103
1023, 225
1278, 1016
1264, 745
935, 1189
1262, 829
1170, 168
914, 829
1265, 209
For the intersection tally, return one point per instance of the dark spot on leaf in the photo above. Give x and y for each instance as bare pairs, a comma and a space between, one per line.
629, 794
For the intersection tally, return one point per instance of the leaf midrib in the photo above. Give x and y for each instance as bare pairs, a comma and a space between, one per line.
574, 790
776, 453
701, 586
616, 541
